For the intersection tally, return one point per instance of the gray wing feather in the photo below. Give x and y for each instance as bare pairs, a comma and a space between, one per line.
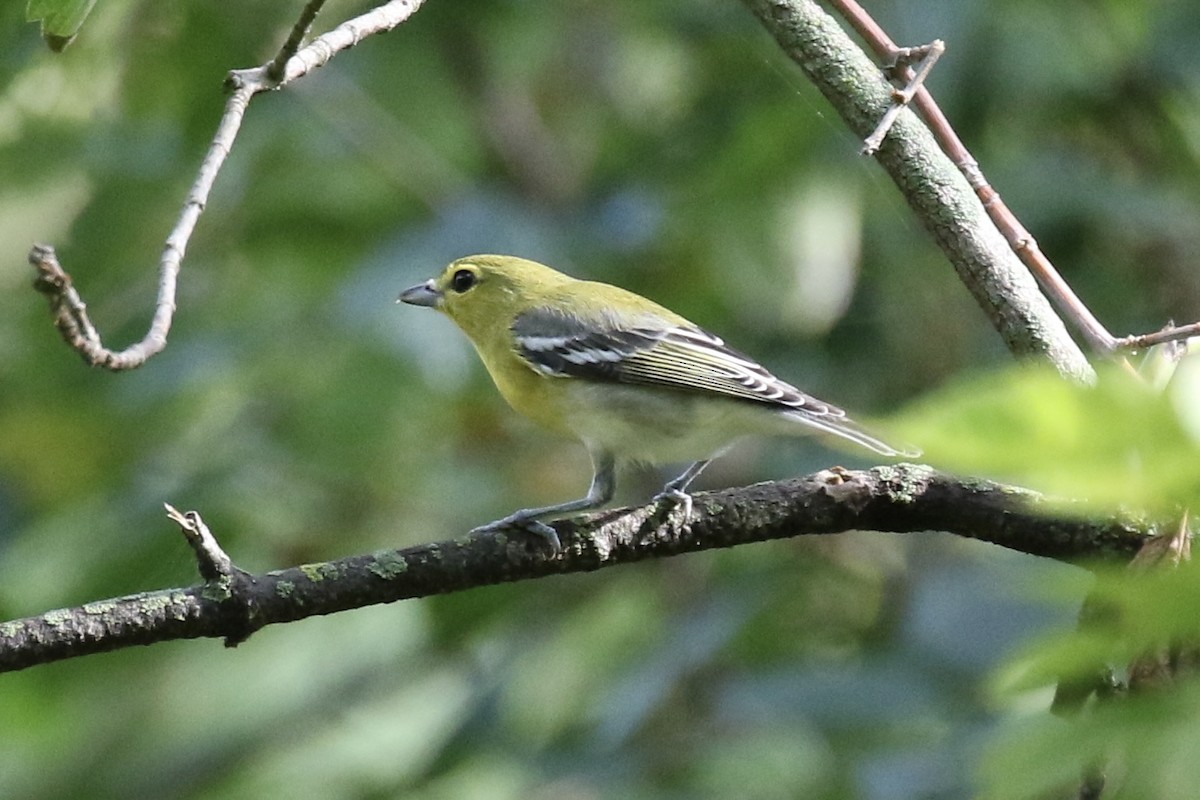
683, 358
686, 359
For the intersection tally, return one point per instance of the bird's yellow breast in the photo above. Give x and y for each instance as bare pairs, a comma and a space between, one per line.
541, 398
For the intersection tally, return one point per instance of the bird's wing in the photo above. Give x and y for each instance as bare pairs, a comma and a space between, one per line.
681, 357
675, 357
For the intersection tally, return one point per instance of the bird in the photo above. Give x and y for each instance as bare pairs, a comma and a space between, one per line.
627, 377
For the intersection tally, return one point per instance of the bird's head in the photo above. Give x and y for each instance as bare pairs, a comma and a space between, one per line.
483, 291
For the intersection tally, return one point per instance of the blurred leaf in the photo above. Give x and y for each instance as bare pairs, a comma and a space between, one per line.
60, 19
786, 763
1116, 443
1129, 613
1149, 745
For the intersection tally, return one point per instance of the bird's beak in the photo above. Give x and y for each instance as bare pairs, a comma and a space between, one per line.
423, 294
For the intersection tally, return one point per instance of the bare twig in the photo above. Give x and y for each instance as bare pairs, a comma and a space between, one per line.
227, 585
1171, 333
308, 15
933, 186
214, 563
924, 57
902, 498
1021, 240
66, 306
70, 312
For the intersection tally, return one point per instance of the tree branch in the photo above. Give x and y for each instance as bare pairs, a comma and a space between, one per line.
1019, 238
67, 307
900, 499
933, 186
308, 15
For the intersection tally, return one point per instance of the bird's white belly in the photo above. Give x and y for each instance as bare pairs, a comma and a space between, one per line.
658, 426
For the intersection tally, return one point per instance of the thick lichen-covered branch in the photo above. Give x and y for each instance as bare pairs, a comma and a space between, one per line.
930, 182
900, 499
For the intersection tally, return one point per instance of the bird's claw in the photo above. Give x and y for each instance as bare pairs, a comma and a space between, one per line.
525, 524
677, 499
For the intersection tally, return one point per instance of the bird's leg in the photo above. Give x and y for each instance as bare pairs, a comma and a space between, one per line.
674, 492
530, 519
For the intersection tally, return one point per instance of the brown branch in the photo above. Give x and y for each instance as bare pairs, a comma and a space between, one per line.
1171, 333
925, 57
902, 499
1018, 237
66, 306
932, 185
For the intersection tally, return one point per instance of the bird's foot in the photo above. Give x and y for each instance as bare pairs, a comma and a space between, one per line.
675, 499
526, 524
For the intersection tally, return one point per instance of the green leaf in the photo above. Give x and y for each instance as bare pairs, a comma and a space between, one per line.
1117, 443
60, 19
1130, 612
1148, 742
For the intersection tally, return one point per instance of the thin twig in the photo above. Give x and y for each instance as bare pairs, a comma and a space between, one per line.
1169, 334
925, 57
69, 310
349, 33
66, 306
308, 15
213, 561
942, 199
1022, 242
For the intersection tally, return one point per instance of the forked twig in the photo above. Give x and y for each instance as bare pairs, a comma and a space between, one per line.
303, 25
1022, 242
214, 563
924, 57
226, 584
68, 308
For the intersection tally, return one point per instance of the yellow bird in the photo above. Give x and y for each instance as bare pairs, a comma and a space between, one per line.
628, 378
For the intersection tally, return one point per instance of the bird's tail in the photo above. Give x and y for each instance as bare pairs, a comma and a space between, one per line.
851, 431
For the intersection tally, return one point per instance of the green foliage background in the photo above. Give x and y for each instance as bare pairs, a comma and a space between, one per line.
663, 145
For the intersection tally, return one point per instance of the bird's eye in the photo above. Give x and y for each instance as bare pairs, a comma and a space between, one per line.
463, 279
